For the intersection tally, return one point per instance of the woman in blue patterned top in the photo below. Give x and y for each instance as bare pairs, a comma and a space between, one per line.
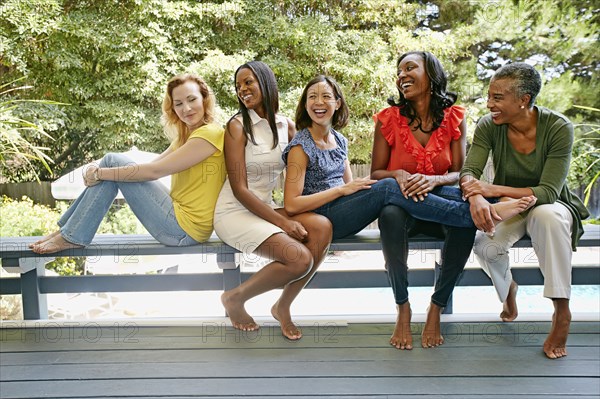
319, 178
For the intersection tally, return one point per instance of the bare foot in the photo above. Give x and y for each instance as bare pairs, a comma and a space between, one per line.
288, 328
509, 308
555, 345
509, 207
237, 313
54, 244
44, 239
402, 336
432, 334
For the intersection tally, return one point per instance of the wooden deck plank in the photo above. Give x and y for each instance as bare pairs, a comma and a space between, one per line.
278, 342
125, 327
305, 386
249, 355
456, 334
356, 362
12, 331
316, 369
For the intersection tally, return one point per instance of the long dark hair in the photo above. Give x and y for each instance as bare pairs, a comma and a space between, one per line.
270, 99
340, 117
440, 98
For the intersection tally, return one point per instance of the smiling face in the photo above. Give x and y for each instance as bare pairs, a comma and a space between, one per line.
248, 90
502, 102
321, 103
188, 104
413, 80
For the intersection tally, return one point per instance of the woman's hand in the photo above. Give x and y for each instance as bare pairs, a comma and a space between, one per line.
362, 183
473, 187
483, 214
90, 176
401, 176
417, 186
295, 230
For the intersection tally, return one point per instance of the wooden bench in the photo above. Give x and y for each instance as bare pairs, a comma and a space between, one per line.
33, 284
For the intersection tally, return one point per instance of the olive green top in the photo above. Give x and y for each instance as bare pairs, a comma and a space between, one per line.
544, 170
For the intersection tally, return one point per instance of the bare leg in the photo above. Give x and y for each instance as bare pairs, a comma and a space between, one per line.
319, 237
509, 308
555, 345
288, 265
44, 239
509, 207
402, 336
54, 243
432, 334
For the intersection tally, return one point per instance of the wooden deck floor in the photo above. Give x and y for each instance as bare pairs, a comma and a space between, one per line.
478, 360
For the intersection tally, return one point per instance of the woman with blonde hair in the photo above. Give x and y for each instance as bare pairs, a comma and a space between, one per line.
195, 161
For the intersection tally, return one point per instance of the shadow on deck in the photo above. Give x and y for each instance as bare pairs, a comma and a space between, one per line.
122, 360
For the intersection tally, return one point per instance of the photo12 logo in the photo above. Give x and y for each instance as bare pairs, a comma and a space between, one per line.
69, 331
269, 332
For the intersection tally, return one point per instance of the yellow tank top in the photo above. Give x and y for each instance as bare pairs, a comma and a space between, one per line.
195, 190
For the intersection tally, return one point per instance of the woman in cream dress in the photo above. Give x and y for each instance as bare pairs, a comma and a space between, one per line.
246, 217
236, 225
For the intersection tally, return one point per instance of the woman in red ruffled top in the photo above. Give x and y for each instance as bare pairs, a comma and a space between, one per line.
421, 142
430, 154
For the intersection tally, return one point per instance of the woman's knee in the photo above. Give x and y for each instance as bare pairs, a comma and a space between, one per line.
549, 216
298, 258
320, 227
392, 215
388, 184
115, 159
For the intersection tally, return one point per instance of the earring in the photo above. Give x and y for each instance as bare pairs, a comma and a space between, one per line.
522, 107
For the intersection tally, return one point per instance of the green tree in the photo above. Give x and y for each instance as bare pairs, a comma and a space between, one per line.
18, 150
110, 59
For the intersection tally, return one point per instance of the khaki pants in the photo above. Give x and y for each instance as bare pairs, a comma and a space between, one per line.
549, 227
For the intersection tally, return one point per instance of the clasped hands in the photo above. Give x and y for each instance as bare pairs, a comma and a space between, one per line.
90, 175
415, 185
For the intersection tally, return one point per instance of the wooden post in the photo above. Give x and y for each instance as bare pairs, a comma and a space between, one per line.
35, 304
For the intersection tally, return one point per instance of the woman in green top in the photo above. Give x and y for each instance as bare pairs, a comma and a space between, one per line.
531, 151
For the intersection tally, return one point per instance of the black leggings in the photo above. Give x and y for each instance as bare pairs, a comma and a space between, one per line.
396, 226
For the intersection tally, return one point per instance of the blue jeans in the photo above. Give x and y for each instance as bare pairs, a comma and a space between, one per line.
150, 202
352, 213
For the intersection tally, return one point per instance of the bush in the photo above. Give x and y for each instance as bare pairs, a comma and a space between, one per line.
24, 218
585, 164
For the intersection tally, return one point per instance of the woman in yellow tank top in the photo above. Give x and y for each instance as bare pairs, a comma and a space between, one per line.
183, 216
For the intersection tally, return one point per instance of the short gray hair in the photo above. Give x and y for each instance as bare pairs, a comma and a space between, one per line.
526, 79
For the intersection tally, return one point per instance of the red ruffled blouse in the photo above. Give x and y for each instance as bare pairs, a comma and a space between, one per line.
408, 154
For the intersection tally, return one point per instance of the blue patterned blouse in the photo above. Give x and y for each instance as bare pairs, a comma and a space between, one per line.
325, 168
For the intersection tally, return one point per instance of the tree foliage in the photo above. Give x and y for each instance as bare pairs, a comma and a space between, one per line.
110, 59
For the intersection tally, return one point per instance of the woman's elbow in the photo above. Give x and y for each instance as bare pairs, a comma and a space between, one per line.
291, 208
